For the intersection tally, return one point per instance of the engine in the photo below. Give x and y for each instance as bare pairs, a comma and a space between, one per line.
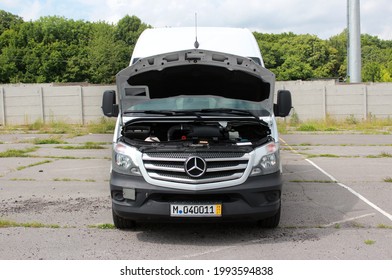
196, 132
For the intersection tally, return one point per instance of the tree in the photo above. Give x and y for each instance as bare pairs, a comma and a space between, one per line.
56, 49
128, 30
9, 21
307, 54
294, 68
106, 55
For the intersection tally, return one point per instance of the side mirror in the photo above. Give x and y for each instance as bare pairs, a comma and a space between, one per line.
283, 106
109, 106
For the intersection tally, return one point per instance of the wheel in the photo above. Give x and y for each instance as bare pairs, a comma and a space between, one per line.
271, 222
122, 223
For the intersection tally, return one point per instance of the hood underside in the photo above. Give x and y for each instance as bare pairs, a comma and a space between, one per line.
196, 72
197, 79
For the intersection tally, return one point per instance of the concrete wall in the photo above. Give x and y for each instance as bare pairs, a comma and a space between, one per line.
27, 103
317, 99
80, 104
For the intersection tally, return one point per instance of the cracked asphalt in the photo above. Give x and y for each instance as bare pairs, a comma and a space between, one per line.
336, 205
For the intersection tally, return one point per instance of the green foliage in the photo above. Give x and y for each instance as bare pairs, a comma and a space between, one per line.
369, 242
47, 141
103, 226
104, 126
86, 146
9, 21
7, 224
293, 57
305, 57
56, 49
17, 153
307, 127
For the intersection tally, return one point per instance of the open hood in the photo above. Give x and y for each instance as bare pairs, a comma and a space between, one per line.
195, 73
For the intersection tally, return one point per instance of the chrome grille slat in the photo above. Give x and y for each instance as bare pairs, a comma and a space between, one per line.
170, 167
163, 168
237, 167
185, 155
194, 181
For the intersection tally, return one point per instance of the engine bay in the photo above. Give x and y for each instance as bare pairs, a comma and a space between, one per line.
206, 132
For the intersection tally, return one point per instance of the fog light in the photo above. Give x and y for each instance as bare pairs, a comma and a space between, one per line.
272, 196
118, 196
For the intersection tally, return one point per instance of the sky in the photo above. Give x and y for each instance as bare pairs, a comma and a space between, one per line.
324, 18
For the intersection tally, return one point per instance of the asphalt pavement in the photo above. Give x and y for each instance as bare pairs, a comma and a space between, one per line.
55, 204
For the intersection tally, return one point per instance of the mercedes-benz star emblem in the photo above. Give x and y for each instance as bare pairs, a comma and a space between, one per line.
195, 166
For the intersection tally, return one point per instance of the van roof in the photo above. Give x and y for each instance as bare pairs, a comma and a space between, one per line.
237, 41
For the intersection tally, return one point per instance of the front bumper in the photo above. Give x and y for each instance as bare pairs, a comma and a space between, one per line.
256, 199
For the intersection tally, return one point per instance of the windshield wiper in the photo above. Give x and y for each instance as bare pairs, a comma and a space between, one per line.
165, 112
151, 112
238, 112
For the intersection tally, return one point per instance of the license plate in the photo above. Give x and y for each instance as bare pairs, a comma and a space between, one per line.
196, 210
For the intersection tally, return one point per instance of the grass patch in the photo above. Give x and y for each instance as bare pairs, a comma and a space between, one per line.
85, 146
337, 226
381, 155
329, 155
90, 180
371, 125
388, 180
369, 242
66, 180
103, 226
357, 225
33, 164
104, 126
6, 224
383, 226
22, 179
313, 181
323, 155
56, 127
307, 127
72, 180
305, 144
47, 141
68, 157
17, 153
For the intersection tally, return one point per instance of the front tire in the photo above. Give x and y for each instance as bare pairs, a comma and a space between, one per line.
271, 222
122, 223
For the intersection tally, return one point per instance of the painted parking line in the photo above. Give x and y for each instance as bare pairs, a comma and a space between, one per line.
348, 220
361, 197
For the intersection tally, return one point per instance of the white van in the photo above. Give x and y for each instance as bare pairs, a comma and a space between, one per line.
196, 136
238, 41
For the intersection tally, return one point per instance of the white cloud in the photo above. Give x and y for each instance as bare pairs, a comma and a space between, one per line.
31, 10
320, 17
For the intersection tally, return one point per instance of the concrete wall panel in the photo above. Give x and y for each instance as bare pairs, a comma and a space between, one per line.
26, 103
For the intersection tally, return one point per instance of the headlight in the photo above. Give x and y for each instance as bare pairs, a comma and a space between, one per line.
269, 160
124, 159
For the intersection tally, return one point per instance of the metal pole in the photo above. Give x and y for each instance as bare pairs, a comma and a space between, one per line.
354, 50
2, 100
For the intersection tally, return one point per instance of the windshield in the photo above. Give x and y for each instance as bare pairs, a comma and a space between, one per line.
197, 103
